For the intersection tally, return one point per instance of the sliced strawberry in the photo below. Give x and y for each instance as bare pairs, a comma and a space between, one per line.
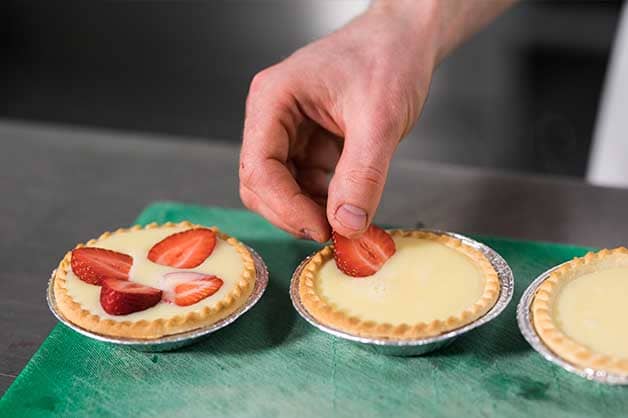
185, 249
189, 293
93, 264
122, 297
169, 281
363, 256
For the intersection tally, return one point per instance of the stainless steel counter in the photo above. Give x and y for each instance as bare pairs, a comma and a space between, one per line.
62, 185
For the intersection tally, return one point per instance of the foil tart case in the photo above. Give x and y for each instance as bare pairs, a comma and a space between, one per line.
416, 347
524, 320
174, 341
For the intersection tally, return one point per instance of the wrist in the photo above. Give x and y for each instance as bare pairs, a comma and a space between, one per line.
420, 21
444, 23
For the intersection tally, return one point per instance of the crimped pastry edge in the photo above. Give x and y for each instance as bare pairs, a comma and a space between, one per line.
543, 302
160, 327
372, 329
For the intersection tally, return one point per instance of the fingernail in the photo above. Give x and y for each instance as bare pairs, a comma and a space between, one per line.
351, 216
307, 234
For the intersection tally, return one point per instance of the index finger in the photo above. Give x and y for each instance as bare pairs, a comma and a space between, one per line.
266, 184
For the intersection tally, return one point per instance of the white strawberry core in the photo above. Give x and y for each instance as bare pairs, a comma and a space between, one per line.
169, 282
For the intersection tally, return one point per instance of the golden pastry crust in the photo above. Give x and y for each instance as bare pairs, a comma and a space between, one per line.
150, 329
327, 314
543, 304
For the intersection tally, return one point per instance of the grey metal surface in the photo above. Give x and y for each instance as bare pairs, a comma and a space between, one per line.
416, 347
170, 342
524, 320
59, 185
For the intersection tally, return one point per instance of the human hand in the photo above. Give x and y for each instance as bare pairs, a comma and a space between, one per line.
338, 107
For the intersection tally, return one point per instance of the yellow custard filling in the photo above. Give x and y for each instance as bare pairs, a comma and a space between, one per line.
224, 262
423, 281
593, 309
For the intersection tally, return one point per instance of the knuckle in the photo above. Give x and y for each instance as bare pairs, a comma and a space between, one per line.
384, 123
260, 80
248, 198
392, 111
388, 114
271, 88
370, 176
248, 175
258, 87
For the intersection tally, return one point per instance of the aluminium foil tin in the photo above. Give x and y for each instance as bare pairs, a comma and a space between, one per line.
415, 347
524, 319
174, 341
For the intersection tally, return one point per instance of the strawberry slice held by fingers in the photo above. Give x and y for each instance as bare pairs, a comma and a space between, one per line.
185, 249
93, 264
363, 256
122, 297
191, 292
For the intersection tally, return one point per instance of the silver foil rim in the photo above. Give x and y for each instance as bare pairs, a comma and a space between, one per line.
171, 342
524, 320
506, 280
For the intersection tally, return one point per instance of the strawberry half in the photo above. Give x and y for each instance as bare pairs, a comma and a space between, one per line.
363, 256
93, 264
122, 297
185, 249
191, 292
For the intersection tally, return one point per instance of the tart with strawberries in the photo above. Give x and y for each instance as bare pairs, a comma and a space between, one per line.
398, 284
149, 282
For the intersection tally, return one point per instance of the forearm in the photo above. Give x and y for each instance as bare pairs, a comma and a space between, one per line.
444, 24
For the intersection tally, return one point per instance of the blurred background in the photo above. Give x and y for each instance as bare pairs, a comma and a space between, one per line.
523, 95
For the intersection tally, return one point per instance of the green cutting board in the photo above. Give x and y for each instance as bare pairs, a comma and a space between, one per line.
271, 363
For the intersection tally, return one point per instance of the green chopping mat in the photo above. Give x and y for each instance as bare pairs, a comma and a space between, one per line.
271, 363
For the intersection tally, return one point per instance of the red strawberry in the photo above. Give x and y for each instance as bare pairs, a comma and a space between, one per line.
169, 281
92, 264
122, 297
189, 293
363, 256
185, 249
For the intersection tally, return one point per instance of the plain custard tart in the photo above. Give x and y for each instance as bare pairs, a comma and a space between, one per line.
430, 285
580, 311
153, 281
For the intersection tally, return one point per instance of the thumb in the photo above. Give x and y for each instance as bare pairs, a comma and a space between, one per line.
358, 182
